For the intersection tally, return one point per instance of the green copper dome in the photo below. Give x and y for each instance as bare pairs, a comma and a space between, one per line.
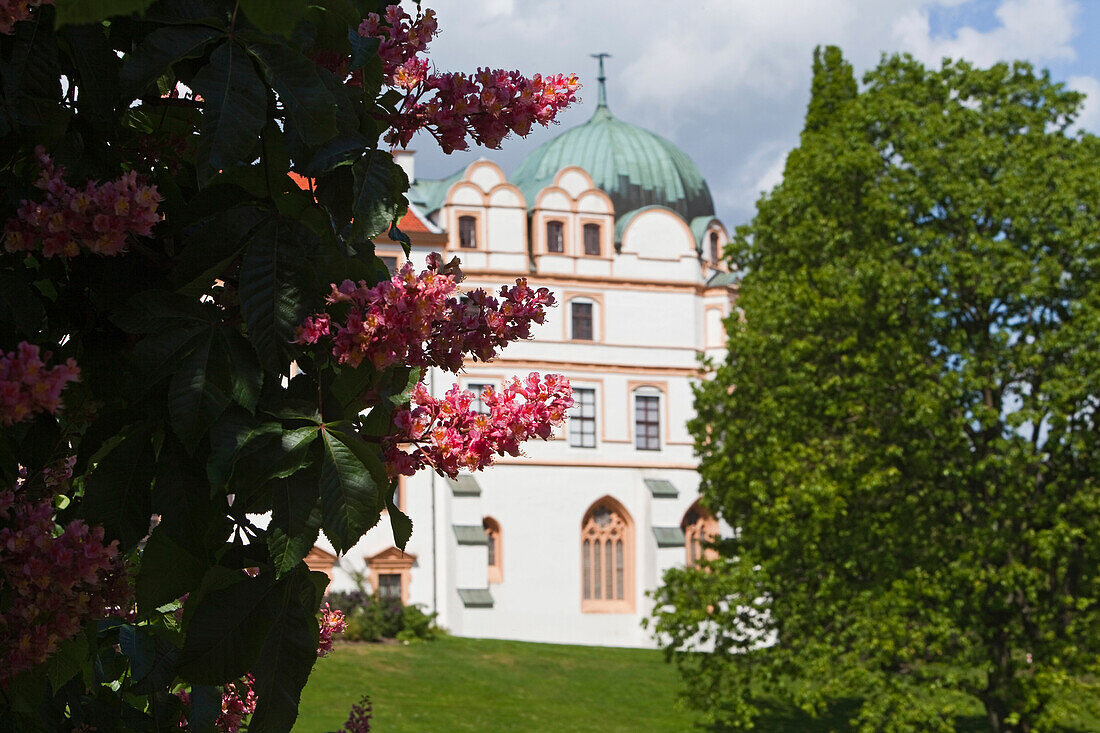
633, 166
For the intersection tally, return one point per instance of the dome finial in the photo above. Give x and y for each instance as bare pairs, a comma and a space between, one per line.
602, 103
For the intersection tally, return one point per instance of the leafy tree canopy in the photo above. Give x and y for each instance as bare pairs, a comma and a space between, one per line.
904, 433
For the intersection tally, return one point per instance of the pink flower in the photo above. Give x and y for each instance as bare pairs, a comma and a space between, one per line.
98, 218
416, 319
27, 387
448, 436
332, 622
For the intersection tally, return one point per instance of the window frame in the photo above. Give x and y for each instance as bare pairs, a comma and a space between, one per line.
495, 549
547, 239
581, 420
599, 544
573, 308
585, 229
460, 217
715, 257
647, 393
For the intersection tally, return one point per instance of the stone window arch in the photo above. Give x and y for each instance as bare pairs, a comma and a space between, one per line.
607, 558
495, 548
699, 527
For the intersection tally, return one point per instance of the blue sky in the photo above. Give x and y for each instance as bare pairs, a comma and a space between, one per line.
728, 80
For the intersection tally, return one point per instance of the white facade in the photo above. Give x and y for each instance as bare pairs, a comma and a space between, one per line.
656, 302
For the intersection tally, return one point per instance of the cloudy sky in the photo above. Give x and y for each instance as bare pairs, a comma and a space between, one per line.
728, 80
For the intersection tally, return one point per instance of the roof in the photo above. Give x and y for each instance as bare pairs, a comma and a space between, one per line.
464, 486
429, 194
633, 166
476, 597
661, 489
470, 534
669, 536
722, 280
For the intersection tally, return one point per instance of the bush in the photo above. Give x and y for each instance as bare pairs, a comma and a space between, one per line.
371, 618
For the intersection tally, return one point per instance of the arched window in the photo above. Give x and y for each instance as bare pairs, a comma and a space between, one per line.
467, 232
495, 549
592, 239
607, 559
714, 252
699, 527
555, 237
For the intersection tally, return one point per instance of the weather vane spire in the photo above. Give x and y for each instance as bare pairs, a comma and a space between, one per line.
601, 79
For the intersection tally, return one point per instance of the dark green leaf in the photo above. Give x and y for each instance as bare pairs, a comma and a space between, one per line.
97, 67
309, 105
152, 658
31, 79
246, 377
295, 518
236, 434
92, 11
349, 490
396, 235
117, 495
20, 305
363, 48
274, 16
159, 50
378, 195
215, 243
273, 301
344, 149
288, 656
206, 706
168, 571
399, 521
226, 632
200, 390
234, 113
67, 661
153, 311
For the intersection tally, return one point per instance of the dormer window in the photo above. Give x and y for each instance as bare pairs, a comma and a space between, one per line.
714, 247
592, 239
555, 237
467, 232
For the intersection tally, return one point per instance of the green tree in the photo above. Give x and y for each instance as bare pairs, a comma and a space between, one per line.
905, 430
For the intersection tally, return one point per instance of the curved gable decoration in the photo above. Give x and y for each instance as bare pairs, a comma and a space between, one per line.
485, 174
655, 232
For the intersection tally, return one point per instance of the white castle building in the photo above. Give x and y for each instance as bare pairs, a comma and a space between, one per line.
562, 545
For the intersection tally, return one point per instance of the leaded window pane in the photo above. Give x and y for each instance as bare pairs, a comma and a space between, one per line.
592, 239
555, 236
582, 321
582, 419
647, 422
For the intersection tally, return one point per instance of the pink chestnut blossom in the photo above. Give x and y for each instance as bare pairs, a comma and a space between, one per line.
415, 319
98, 218
28, 387
448, 436
485, 106
332, 623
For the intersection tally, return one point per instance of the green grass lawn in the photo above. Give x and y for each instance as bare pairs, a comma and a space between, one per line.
455, 684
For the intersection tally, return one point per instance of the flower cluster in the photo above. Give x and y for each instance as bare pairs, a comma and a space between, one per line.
51, 581
13, 11
238, 701
359, 719
27, 387
415, 319
448, 436
485, 106
332, 623
98, 217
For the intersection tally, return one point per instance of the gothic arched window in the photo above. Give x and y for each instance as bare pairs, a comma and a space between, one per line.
699, 527
607, 559
495, 549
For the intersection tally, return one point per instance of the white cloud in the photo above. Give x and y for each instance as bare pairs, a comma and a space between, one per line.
1089, 119
727, 80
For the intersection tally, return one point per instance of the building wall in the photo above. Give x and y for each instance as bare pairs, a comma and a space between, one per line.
653, 316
